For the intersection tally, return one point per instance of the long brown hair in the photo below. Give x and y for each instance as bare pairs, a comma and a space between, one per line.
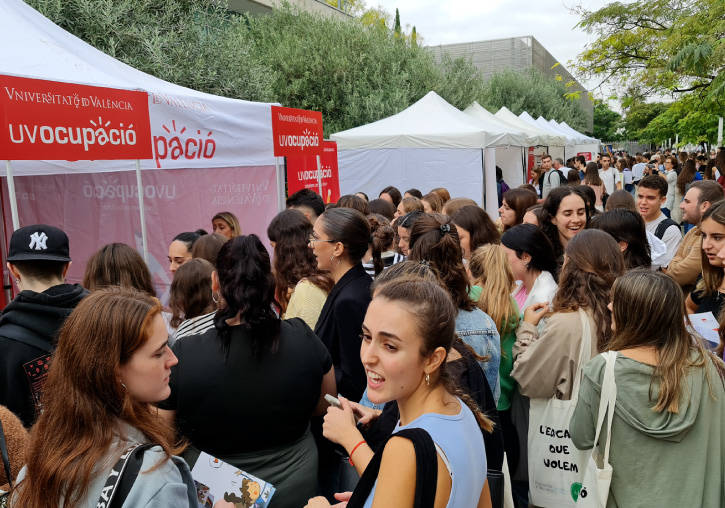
434, 239
593, 262
660, 322
293, 260
519, 200
381, 236
686, 176
117, 264
435, 317
84, 399
190, 294
712, 276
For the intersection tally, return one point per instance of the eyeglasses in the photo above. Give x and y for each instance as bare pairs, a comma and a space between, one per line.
313, 238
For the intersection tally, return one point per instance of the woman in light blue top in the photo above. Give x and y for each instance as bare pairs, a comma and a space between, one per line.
407, 334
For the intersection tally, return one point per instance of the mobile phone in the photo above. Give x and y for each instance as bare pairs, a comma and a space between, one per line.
333, 401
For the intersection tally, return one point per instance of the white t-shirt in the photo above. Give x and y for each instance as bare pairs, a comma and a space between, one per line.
610, 178
672, 238
638, 171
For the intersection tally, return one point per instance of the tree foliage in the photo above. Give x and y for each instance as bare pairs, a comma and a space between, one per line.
193, 43
535, 92
649, 47
608, 125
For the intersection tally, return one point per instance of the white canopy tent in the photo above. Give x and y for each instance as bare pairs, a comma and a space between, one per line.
236, 135
587, 146
430, 144
540, 136
510, 156
558, 151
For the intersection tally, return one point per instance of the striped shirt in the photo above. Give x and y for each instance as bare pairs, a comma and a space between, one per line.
195, 326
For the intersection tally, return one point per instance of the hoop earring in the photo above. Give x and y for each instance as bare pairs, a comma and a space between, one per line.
427, 379
215, 297
124, 386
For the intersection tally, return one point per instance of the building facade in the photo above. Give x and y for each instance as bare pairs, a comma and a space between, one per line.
519, 54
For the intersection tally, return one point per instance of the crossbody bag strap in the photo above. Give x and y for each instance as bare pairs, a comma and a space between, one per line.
122, 476
607, 401
584, 352
426, 466
5, 457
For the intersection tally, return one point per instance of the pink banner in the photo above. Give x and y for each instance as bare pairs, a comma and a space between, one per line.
97, 209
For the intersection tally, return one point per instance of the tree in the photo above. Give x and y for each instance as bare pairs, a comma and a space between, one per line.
353, 73
413, 37
684, 120
651, 47
194, 43
534, 92
638, 116
607, 123
396, 28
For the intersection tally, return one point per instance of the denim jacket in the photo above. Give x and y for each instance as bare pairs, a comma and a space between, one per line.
478, 330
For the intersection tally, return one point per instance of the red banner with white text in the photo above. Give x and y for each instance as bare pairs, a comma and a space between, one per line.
49, 120
302, 173
296, 132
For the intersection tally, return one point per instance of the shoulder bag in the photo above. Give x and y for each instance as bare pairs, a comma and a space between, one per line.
555, 464
122, 477
596, 480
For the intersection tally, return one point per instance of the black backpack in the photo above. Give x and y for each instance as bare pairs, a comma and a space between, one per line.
662, 227
562, 178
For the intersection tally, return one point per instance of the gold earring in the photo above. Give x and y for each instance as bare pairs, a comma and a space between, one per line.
427, 379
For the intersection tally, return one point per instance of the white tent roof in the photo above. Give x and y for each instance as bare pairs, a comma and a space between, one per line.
587, 139
541, 137
542, 124
513, 136
429, 123
555, 126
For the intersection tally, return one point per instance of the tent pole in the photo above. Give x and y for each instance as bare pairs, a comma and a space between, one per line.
280, 185
319, 177
141, 211
13, 197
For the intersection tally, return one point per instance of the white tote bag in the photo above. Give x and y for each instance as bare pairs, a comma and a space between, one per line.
555, 464
596, 480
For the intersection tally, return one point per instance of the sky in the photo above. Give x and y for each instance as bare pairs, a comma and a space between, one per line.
549, 21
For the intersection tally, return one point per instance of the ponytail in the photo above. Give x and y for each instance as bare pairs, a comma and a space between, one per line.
381, 238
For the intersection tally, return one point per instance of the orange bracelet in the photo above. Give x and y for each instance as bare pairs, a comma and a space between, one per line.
349, 459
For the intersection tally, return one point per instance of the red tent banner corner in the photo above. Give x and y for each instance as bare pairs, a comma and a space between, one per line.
50, 120
296, 132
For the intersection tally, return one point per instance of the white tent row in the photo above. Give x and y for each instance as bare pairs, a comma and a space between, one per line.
574, 142
97, 202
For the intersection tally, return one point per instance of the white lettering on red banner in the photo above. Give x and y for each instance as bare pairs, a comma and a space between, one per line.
296, 132
48, 120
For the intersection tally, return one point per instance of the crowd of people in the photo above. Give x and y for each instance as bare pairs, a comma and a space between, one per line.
407, 350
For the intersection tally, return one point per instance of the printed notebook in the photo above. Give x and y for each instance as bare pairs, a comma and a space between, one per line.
221, 485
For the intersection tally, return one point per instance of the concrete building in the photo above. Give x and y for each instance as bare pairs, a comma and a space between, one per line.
517, 53
265, 6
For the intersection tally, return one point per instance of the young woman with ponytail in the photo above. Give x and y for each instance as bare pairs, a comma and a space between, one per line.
434, 240
255, 372
379, 256
407, 335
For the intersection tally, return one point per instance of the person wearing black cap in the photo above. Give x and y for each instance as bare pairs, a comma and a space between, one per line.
38, 261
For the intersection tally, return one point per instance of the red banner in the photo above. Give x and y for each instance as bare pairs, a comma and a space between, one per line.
302, 173
587, 155
49, 120
296, 132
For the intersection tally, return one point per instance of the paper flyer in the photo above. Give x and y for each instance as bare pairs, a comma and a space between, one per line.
221, 485
707, 326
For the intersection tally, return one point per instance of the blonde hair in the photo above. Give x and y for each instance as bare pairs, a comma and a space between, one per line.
230, 219
490, 270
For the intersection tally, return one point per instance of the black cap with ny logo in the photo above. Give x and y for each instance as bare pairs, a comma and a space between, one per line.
38, 242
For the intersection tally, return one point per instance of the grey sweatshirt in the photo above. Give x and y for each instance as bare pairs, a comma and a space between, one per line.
660, 459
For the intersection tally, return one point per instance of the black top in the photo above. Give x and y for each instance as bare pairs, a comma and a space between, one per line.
340, 329
708, 303
29, 327
236, 403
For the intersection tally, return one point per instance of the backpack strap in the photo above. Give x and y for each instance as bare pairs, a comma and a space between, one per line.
662, 227
122, 477
426, 467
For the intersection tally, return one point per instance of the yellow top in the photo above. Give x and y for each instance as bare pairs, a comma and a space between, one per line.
306, 302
